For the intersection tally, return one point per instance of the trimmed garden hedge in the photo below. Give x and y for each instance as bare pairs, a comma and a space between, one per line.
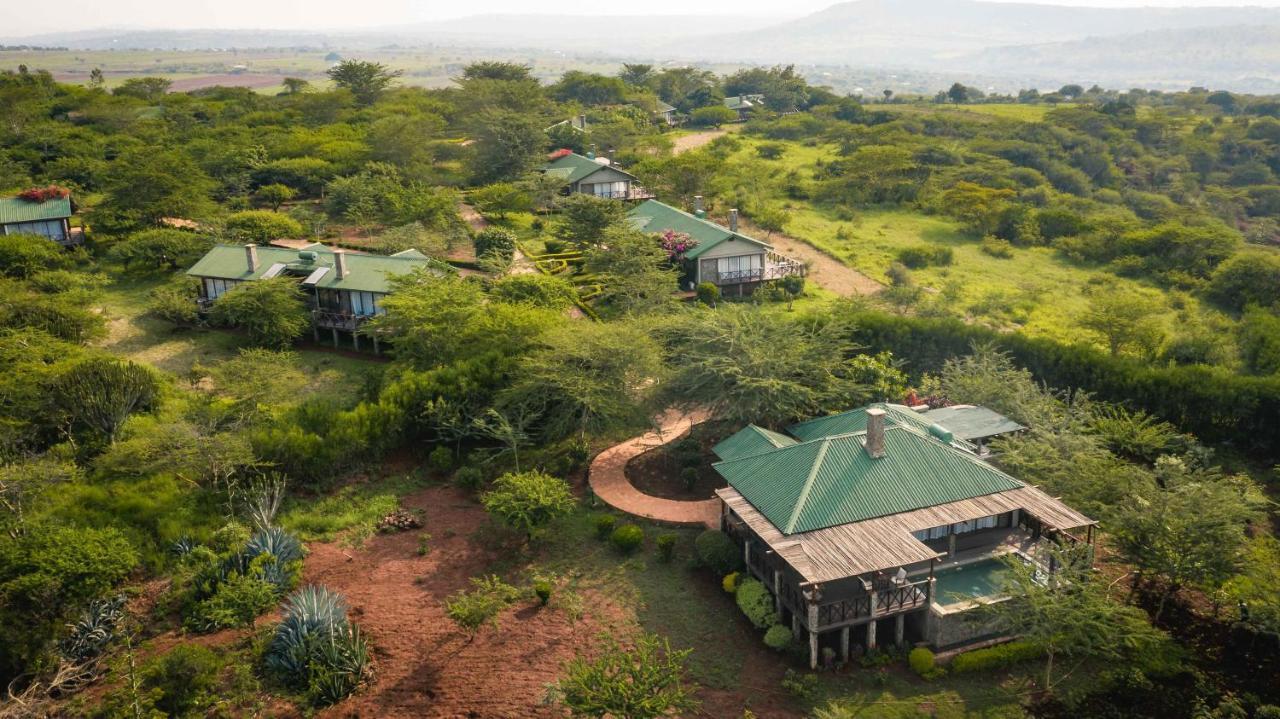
1214, 404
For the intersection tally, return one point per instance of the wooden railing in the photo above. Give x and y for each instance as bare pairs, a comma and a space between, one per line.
844, 611
338, 320
895, 599
902, 598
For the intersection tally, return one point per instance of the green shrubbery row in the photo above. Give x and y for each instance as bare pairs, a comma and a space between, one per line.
997, 657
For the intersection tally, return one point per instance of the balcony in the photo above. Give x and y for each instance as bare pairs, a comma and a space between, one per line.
890, 600
633, 192
775, 268
338, 320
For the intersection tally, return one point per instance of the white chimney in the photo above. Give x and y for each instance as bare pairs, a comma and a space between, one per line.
340, 262
874, 441
698, 209
733, 220
251, 256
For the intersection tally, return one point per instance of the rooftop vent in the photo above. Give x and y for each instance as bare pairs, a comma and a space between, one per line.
698, 210
940, 432
307, 256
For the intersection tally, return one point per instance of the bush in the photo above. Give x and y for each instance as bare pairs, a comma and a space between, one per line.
261, 226
185, 680
712, 116
175, 302
924, 255
666, 547
627, 538
801, 686
273, 312
604, 526
730, 582
708, 293
777, 637
440, 459
717, 552
689, 476
25, 255
996, 247
487, 598
496, 241
470, 478
997, 657
536, 290
542, 590
921, 661
755, 601
528, 501
237, 601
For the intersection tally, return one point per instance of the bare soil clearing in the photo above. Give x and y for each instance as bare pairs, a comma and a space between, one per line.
824, 270
694, 140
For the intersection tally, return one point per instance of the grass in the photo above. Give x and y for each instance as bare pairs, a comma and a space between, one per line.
133, 334
352, 511
1036, 290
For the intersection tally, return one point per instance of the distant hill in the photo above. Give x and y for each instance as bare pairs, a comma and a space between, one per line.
1245, 57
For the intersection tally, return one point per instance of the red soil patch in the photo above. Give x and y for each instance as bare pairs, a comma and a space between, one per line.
425, 666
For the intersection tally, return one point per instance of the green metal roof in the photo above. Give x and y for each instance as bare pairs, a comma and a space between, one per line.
576, 168
654, 216
832, 481
739, 102
365, 273
664, 107
855, 420
750, 440
16, 209
970, 422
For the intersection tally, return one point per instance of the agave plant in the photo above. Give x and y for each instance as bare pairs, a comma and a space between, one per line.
95, 628
338, 665
312, 615
182, 547
274, 541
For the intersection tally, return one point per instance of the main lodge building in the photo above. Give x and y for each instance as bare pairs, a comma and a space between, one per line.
879, 520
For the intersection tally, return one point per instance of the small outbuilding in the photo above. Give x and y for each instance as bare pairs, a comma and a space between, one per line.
49, 218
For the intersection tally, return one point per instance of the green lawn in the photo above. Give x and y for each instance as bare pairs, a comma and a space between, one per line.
133, 334
1008, 111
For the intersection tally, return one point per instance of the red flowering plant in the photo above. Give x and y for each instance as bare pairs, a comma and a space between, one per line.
44, 194
562, 152
676, 244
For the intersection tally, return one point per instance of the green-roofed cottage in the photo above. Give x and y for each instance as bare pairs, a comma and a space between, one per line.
744, 105
878, 520
50, 218
722, 255
344, 289
593, 176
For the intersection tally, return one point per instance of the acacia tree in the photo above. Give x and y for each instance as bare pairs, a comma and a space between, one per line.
101, 393
366, 80
770, 368
1070, 615
528, 501
1190, 532
636, 276
1126, 319
584, 219
644, 682
272, 311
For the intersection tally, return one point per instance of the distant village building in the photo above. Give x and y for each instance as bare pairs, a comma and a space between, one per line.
665, 113
49, 218
744, 105
344, 289
577, 122
593, 176
722, 255
878, 520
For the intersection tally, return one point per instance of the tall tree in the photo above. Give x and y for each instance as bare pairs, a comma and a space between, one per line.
507, 145
272, 311
365, 80
101, 393
635, 274
1126, 320
636, 74
584, 219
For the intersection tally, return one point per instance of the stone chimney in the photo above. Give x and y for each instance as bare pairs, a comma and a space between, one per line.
582, 122
874, 442
733, 220
698, 209
340, 262
251, 256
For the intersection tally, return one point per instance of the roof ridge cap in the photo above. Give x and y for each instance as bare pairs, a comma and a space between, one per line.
808, 485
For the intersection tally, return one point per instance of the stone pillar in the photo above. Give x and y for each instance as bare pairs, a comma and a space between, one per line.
355, 339
844, 644
315, 331
795, 625
746, 556
813, 649
898, 629
777, 591
335, 336
871, 635
951, 546
376, 351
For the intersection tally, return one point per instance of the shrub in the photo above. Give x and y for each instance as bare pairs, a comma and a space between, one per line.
496, 241
176, 302
730, 582
997, 657
440, 459
777, 637
185, 680
627, 538
161, 248
666, 547
1267, 711
273, 312
921, 661
542, 590
237, 601
487, 598
469, 477
261, 226
25, 255
708, 293
536, 290
800, 686
925, 255
315, 648
528, 501
755, 601
717, 552
689, 476
604, 526
996, 247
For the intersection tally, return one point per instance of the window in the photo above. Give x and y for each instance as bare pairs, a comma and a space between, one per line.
606, 189
215, 287
364, 304
740, 266
963, 527
939, 532
49, 228
987, 522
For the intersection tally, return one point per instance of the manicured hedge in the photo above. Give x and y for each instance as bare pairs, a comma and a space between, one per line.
997, 657
1214, 404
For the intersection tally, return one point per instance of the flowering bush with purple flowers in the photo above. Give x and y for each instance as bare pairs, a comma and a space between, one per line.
677, 244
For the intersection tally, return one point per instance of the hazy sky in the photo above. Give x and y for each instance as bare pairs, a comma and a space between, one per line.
18, 17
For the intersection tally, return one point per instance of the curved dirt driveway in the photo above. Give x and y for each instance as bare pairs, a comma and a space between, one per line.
608, 477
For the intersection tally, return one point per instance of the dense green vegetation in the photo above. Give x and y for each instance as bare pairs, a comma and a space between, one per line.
1118, 248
